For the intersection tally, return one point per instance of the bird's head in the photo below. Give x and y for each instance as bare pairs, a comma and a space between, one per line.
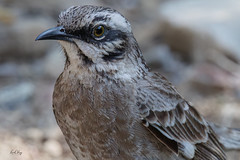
96, 38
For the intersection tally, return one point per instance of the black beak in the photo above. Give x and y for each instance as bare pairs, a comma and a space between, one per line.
56, 33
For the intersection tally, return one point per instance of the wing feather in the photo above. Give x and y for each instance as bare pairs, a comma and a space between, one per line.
174, 122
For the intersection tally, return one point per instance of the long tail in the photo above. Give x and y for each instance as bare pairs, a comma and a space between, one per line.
228, 137
210, 150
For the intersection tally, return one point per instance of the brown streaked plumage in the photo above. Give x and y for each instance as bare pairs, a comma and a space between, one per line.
110, 106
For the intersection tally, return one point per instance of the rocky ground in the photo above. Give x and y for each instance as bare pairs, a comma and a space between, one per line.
194, 44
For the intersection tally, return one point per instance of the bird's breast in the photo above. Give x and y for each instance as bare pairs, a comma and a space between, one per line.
97, 121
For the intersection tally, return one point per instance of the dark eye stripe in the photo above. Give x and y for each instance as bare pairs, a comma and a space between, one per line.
100, 19
85, 35
116, 54
113, 57
114, 35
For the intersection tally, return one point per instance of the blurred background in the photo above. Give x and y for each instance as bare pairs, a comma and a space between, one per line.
195, 44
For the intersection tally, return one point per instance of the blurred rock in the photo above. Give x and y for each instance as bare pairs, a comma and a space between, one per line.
8, 69
12, 95
54, 133
19, 38
54, 62
34, 134
45, 7
126, 4
230, 113
53, 148
212, 76
206, 79
205, 35
218, 19
162, 60
181, 41
6, 16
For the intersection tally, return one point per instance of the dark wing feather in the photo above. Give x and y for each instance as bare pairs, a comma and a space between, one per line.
174, 122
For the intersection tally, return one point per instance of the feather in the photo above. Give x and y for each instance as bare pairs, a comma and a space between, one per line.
178, 125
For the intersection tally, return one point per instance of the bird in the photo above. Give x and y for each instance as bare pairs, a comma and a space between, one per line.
109, 104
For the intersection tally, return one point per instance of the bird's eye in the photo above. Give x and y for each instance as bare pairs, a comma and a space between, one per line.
99, 31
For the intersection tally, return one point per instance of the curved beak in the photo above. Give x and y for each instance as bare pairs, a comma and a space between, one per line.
56, 33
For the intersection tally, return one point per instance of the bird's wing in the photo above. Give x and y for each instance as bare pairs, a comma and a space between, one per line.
170, 118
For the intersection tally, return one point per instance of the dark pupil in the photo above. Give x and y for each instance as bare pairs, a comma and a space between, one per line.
99, 30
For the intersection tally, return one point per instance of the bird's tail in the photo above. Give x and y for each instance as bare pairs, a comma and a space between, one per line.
228, 137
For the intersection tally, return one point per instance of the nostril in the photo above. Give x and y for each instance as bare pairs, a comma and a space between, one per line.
62, 30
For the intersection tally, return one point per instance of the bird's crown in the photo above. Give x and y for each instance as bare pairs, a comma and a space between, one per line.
78, 17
